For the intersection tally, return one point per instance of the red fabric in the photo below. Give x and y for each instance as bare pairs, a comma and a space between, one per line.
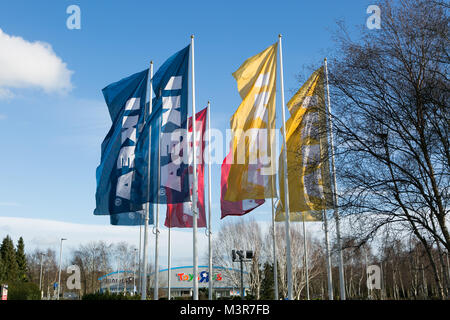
229, 208
179, 215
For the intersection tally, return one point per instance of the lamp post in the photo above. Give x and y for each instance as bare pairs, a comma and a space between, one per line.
59, 276
242, 256
40, 277
134, 277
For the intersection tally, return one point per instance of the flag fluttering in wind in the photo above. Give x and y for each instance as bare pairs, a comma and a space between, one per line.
126, 104
251, 172
145, 186
307, 154
170, 84
168, 116
179, 215
237, 208
129, 218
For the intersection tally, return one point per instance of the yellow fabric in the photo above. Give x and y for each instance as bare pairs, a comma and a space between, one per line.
307, 154
256, 81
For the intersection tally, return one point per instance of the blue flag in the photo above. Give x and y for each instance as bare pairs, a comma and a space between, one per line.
115, 174
131, 218
145, 186
168, 116
170, 84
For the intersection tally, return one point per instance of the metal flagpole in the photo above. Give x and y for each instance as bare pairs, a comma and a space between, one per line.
327, 249
156, 227
272, 188
305, 249
140, 252
147, 209
169, 258
275, 264
335, 199
210, 268
286, 189
194, 175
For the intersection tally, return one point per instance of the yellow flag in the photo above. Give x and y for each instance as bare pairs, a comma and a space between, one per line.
307, 154
252, 171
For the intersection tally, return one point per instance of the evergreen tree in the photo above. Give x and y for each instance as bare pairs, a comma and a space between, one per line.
21, 260
267, 284
8, 256
2, 269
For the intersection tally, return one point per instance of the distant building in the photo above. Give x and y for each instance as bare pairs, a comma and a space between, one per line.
225, 281
118, 282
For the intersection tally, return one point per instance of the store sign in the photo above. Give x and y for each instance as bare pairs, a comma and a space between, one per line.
202, 277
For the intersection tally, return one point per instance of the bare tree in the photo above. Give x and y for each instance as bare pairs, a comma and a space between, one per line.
391, 93
242, 235
93, 259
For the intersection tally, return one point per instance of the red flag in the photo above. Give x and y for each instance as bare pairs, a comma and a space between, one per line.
238, 208
179, 215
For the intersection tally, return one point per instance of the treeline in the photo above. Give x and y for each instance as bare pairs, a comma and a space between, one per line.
94, 259
406, 271
14, 271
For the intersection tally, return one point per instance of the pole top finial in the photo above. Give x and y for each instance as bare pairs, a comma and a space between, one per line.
192, 36
279, 35
325, 59
151, 61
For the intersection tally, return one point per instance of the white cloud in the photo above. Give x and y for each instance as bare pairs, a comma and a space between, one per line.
25, 64
2, 116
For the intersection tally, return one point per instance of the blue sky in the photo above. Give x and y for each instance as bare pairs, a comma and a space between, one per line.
50, 139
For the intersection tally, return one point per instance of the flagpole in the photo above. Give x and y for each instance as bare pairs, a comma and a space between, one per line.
156, 227
147, 211
305, 249
194, 174
327, 249
286, 188
140, 250
169, 258
210, 268
272, 188
275, 264
335, 202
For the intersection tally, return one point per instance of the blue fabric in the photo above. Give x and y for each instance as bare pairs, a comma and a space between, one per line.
142, 192
131, 218
175, 67
116, 170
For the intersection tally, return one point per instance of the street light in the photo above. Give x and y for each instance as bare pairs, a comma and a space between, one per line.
60, 258
40, 277
242, 256
134, 277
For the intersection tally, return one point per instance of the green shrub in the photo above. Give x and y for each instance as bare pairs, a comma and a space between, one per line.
23, 291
